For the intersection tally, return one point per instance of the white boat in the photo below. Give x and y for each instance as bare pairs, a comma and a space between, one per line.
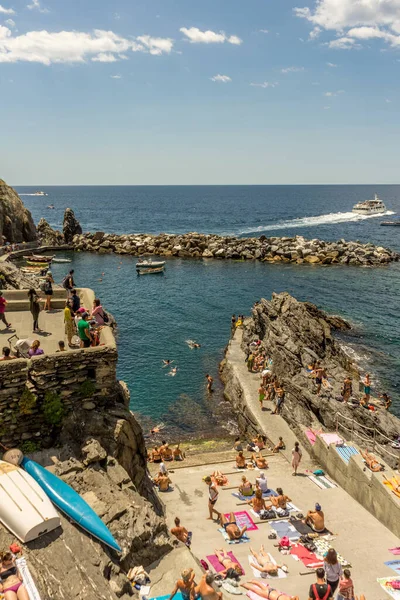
150, 264
62, 260
370, 207
148, 271
25, 509
39, 193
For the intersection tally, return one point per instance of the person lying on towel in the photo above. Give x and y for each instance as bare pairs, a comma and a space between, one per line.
316, 519
371, 461
266, 591
231, 527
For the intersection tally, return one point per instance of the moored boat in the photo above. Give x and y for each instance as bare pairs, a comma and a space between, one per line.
394, 223
39, 258
36, 263
370, 207
24, 507
148, 271
150, 264
62, 260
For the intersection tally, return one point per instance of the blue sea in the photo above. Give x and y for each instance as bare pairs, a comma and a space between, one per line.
195, 299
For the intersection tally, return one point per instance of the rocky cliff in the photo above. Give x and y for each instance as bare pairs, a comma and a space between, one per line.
295, 334
16, 223
12, 278
48, 236
71, 225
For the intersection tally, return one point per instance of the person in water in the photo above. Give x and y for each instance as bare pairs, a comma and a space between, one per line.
210, 381
231, 527
316, 519
11, 580
185, 585
264, 564
167, 362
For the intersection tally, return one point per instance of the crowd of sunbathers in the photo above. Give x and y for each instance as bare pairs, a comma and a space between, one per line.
162, 453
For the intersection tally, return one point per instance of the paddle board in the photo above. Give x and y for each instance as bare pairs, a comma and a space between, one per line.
70, 502
24, 507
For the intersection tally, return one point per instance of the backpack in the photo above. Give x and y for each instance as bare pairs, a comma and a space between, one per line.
65, 282
47, 287
327, 595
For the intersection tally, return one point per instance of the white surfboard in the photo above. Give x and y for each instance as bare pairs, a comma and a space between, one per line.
24, 507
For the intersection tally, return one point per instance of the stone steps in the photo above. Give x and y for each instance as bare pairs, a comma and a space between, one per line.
17, 295
23, 305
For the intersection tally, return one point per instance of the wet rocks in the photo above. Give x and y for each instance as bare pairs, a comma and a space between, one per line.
16, 223
47, 235
71, 225
295, 250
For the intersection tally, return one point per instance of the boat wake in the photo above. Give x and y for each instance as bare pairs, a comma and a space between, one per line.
39, 195
329, 219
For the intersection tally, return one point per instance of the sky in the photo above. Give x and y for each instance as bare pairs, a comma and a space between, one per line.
210, 92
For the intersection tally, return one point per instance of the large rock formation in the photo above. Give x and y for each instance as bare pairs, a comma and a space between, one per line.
71, 225
295, 334
295, 250
47, 235
16, 223
12, 278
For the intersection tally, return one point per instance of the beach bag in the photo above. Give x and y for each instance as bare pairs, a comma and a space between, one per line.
285, 542
267, 514
395, 585
282, 512
319, 472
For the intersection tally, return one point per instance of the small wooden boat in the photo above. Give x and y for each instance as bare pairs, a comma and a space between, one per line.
24, 507
37, 263
70, 502
37, 258
150, 264
148, 271
395, 223
62, 260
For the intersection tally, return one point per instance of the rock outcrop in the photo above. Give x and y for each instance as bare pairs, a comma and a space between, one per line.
71, 225
295, 250
47, 235
295, 335
16, 223
12, 278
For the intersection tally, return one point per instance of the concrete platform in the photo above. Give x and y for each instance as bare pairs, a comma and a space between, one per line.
359, 537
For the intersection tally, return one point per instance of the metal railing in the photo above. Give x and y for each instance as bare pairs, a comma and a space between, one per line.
372, 440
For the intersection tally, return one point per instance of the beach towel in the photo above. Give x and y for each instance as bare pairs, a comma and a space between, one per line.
284, 528
301, 527
243, 519
311, 435
394, 565
345, 452
281, 574
322, 481
332, 438
245, 538
323, 546
27, 578
178, 596
254, 596
384, 582
395, 550
266, 494
309, 559
216, 565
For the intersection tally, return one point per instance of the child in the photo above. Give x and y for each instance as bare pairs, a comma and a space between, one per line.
346, 588
61, 346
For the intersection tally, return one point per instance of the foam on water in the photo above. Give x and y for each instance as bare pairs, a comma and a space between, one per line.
329, 219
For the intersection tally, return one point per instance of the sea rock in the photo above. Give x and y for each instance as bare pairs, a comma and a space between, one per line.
16, 223
48, 236
12, 278
71, 225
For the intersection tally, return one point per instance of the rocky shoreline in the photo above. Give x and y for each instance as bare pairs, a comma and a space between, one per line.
295, 250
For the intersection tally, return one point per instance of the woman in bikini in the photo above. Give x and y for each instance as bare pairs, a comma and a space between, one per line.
257, 503
11, 581
185, 585
246, 487
371, 461
264, 563
279, 501
230, 566
265, 591
259, 461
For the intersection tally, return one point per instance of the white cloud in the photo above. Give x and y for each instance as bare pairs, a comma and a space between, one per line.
264, 30
37, 6
388, 101
265, 84
209, 37
326, 107
292, 70
117, 16
315, 33
355, 19
75, 46
6, 11
333, 94
331, 65
10, 22
221, 79
115, 76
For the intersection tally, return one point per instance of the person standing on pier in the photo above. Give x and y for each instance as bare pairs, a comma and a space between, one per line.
296, 457
212, 497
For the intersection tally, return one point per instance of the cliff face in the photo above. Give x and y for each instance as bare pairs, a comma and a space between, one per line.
16, 223
295, 334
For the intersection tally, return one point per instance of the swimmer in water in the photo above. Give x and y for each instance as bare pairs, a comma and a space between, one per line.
173, 371
192, 344
167, 362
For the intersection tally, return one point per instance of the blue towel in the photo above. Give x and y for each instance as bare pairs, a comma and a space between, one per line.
245, 498
284, 528
242, 540
178, 596
345, 452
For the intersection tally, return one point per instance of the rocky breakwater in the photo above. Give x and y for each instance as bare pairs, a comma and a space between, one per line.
295, 250
296, 334
16, 223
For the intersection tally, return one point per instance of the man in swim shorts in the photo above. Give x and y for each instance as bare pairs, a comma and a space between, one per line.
316, 519
231, 526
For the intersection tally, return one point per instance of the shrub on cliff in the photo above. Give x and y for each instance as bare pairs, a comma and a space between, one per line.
53, 409
27, 402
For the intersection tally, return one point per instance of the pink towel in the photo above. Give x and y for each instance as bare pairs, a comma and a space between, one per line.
331, 438
243, 519
395, 550
216, 565
311, 436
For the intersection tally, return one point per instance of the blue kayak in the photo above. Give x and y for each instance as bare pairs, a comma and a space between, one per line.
70, 502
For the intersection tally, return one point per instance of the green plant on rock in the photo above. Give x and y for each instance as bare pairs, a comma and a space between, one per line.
87, 389
28, 447
53, 409
27, 402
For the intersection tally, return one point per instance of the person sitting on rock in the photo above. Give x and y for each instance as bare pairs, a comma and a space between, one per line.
181, 533
240, 461
259, 461
205, 589
246, 487
260, 441
178, 454
371, 461
257, 503
155, 455
163, 482
279, 446
167, 453
186, 585
162, 447
279, 501
347, 389
316, 519
231, 527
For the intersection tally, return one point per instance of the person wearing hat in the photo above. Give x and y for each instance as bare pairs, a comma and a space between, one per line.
3, 303
316, 519
84, 331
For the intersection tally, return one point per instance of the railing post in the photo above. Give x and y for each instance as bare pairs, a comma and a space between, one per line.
352, 430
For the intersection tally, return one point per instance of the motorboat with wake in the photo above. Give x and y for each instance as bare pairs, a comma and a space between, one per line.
393, 223
146, 267
370, 207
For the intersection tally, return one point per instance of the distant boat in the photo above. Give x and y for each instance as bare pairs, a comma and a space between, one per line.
370, 207
146, 267
70, 502
62, 260
50, 206
148, 271
25, 509
39, 193
395, 222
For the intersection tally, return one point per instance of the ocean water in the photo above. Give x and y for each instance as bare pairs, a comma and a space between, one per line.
195, 299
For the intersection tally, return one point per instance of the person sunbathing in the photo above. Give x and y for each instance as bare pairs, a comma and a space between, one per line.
265, 591
232, 569
257, 503
163, 482
205, 589
279, 501
219, 478
178, 454
316, 519
186, 585
260, 441
371, 461
231, 528
264, 563
259, 461
240, 461
279, 446
181, 533
246, 487
11, 580
167, 453
155, 455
